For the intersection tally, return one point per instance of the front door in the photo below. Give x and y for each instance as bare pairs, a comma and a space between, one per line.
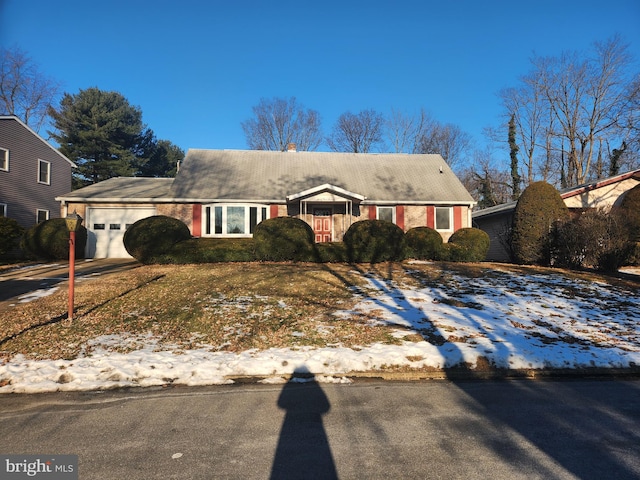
322, 224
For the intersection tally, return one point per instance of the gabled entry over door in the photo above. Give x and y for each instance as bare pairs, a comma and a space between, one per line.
322, 224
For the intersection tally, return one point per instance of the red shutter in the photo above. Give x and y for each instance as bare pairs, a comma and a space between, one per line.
400, 216
273, 211
457, 218
373, 214
431, 211
197, 220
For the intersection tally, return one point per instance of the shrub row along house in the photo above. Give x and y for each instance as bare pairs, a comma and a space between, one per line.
32, 174
226, 193
602, 194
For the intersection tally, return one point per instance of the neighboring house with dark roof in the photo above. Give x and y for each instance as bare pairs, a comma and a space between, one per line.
32, 174
226, 193
605, 194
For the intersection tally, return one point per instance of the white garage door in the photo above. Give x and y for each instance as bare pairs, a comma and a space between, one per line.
106, 227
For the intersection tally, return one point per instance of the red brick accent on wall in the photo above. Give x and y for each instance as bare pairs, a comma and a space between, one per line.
457, 218
400, 216
197, 220
431, 220
273, 211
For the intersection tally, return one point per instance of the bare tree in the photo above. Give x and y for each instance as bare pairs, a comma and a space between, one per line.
405, 132
486, 183
447, 140
279, 122
589, 98
357, 133
24, 91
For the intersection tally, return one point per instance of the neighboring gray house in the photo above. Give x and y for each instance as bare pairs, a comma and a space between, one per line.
605, 194
226, 193
32, 174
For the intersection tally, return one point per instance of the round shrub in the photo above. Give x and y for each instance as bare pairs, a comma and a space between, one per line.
49, 240
423, 243
284, 239
472, 245
10, 233
374, 241
629, 209
539, 207
154, 236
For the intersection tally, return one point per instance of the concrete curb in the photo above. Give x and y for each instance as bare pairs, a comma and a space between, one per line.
463, 374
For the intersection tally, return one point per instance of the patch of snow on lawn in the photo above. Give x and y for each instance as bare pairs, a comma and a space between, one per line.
507, 320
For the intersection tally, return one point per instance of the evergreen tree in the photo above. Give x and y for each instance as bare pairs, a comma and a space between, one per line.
102, 133
161, 160
513, 153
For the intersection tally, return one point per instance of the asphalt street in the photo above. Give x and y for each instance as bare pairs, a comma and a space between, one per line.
587, 429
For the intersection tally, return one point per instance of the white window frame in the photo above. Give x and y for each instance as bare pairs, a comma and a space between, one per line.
435, 219
393, 212
47, 181
4, 159
3, 209
46, 214
210, 211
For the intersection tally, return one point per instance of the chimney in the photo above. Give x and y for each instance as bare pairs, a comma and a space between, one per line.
291, 147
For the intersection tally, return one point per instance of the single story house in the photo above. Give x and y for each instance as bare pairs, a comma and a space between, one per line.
605, 194
226, 193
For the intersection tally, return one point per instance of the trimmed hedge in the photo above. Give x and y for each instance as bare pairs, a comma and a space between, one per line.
468, 245
423, 243
374, 241
154, 236
284, 239
49, 240
209, 250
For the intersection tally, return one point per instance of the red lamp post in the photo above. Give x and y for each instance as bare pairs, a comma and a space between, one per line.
73, 224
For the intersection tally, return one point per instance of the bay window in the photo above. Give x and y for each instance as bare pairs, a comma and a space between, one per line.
231, 220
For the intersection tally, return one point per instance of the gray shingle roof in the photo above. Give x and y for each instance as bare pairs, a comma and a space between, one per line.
123, 189
269, 176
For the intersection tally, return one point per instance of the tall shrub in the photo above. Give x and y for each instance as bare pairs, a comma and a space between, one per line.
629, 210
374, 241
539, 207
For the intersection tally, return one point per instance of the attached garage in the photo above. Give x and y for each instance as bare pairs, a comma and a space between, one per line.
108, 208
106, 227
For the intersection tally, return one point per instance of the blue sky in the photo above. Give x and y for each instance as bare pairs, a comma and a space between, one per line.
196, 68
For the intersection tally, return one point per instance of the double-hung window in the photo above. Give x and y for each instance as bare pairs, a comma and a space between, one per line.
232, 219
42, 215
4, 159
3, 209
44, 172
444, 218
386, 213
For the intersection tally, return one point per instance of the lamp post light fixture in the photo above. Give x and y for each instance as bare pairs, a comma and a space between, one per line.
73, 224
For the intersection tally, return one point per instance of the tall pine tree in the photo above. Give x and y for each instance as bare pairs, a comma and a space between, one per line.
102, 133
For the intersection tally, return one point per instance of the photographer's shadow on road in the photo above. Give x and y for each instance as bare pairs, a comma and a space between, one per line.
303, 447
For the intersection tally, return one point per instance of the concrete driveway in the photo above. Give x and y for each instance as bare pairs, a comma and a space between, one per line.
18, 283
